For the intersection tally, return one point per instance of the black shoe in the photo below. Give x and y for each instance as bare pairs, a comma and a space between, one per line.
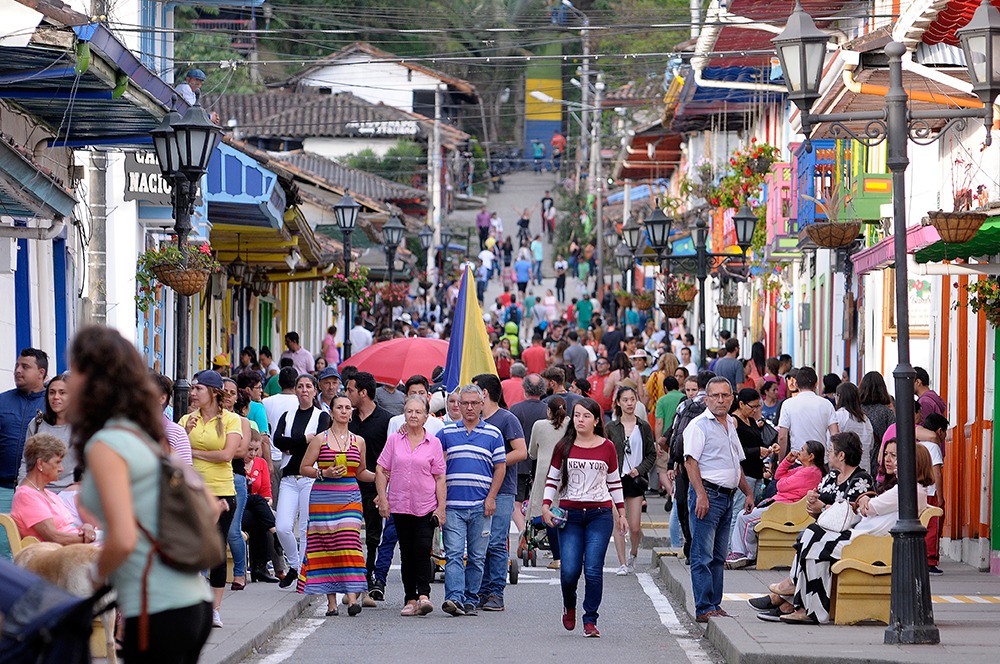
354, 609
470, 610
763, 603
263, 576
377, 592
453, 608
668, 504
291, 576
771, 615
934, 570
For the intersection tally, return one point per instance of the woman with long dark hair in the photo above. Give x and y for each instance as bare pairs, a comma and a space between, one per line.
54, 420
851, 417
877, 405
545, 436
114, 430
757, 366
216, 434
584, 475
633, 439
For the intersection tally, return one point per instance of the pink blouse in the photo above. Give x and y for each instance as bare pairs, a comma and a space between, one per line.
412, 488
31, 507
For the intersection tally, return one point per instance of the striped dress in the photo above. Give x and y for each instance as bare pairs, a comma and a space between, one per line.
333, 562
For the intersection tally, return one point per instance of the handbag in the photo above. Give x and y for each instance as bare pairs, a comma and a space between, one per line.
838, 517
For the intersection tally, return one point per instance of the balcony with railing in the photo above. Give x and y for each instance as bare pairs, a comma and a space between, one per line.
241, 31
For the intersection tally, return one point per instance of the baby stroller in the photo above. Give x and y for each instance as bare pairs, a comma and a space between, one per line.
534, 539
42, 623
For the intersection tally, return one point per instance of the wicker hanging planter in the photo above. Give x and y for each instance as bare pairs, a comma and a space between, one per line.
643, 301
624, 301
687, 295
728, 311
185, 281
956, 227
674, 309
760, 165
833, 234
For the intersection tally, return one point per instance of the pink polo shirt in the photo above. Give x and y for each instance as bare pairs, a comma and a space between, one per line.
411, 482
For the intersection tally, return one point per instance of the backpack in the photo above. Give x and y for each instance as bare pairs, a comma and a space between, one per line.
513, 315
683, 418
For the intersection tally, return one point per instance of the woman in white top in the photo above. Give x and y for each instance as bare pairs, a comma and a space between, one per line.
551, 305
850, 417
53, 420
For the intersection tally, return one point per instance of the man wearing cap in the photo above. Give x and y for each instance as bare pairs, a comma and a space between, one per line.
220, 364
329, 385
190, 89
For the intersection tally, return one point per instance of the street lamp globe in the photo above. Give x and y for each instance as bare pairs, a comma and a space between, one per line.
426, 236
658, 230
196, 136
238, 270
445, 237
746, 222
981, 43
631, 234
165, 145
346, 210
611, 238
801, 50
624, 260
392, 232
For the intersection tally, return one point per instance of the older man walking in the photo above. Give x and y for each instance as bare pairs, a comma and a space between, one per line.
712, 455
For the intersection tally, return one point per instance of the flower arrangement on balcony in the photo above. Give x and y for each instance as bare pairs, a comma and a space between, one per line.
394, 294
700, 183
962, 224
984, 295
354, 286
185, 271
840, 228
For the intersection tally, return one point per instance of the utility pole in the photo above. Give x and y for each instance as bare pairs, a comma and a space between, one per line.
595, 187
585, 99
434, 163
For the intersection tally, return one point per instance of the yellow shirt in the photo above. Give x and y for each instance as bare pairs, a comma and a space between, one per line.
205, 437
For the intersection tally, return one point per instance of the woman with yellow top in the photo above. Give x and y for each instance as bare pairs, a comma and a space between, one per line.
215, 435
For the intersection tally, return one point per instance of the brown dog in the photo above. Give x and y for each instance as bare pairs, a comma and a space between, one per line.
69, 568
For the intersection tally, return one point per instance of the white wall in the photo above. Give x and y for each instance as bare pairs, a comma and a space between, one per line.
334, 148
376, 81
124, 240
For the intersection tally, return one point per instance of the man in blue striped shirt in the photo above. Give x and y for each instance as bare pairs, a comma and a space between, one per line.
476, 462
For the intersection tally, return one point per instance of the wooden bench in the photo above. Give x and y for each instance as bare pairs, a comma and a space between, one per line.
862, 578
779, 526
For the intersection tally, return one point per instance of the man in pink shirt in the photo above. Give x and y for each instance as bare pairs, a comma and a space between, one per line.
513, 390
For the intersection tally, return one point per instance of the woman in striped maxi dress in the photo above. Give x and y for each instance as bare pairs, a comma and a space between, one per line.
333, 560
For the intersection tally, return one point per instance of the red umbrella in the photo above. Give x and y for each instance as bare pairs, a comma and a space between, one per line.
395, 361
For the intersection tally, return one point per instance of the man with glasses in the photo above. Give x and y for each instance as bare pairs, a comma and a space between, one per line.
476, 463
712, 456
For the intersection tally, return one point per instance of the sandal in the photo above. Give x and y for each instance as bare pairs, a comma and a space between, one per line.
354, 609
332, 612
799, 617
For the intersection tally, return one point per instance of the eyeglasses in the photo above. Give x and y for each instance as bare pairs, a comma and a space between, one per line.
469, 404
754, 406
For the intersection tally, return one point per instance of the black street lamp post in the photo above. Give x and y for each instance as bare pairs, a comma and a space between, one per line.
611, 241
346, 211
801, 50
392, 235
183, 147
624, 259
658, 233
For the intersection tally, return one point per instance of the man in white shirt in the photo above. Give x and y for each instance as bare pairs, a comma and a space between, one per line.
686, 362
302, 359
806, 417
190, 89
361, 338
712, 455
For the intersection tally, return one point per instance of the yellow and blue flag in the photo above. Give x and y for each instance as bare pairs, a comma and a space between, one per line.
469, 351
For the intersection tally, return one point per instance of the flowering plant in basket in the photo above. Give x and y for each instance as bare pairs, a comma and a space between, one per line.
151, 265
984, 295
353, 286
394, 294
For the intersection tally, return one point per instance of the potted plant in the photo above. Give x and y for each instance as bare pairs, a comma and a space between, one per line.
394, 294
984, 295
185, 271
644, 301
671, 304
353, 286
686, 291
962, 224
836, 231
623, 297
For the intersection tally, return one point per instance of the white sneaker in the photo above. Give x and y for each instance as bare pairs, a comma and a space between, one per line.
216, 618
622, 571
630, 563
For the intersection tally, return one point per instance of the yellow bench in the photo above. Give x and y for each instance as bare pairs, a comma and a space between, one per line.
779, 526
862, 578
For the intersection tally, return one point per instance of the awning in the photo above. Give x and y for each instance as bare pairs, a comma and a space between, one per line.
241, 191
883, 254
985, 243
27, 191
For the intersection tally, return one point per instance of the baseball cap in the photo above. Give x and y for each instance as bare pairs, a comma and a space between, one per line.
639, 353
329, 372
220, 360
196, 74
209, 378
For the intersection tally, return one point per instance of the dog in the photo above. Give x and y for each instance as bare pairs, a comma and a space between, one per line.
68, 567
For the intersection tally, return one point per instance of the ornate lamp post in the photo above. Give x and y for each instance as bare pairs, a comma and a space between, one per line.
392, 235
346, 211
183, 147
624, 260
631, 235
801, 50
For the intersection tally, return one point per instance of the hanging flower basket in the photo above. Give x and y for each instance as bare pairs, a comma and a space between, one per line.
674, 309
624, 301
687, 294
984, 295
833, 234
760, 165
728, 311
644, 301
185, 281
956, 227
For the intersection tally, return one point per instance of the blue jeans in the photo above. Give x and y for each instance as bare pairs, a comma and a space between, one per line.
709, 546
466, 535
676, 537
739, 500
495, 575
6, 500
386, 549
583, 545
236, 544
538, 272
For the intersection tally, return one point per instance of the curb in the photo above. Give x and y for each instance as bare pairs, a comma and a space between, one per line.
252, 644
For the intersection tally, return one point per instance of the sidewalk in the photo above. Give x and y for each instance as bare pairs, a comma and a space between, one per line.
966, 611
251, 617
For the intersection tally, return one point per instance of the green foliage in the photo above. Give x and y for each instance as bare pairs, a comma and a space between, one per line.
402, 162
641, 40
199, 46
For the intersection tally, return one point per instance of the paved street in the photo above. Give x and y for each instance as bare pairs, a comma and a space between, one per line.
637, 621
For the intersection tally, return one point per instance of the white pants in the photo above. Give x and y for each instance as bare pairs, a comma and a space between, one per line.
293, 501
